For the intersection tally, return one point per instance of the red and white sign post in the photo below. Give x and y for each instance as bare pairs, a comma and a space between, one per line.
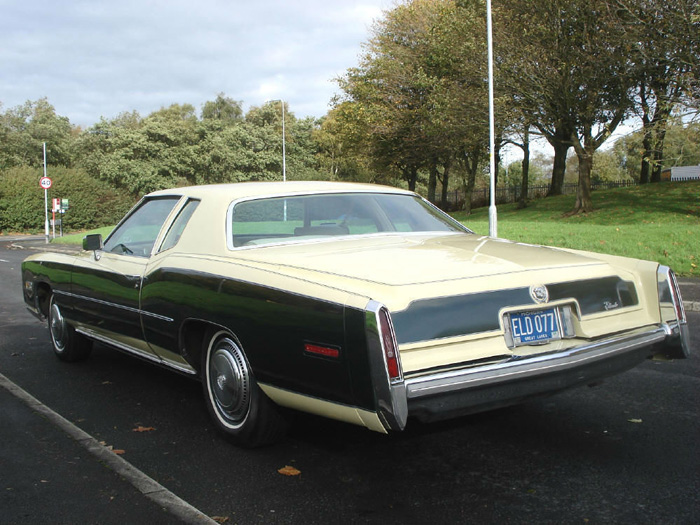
55, 206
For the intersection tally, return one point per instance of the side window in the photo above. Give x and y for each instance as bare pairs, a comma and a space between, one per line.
178, 225
137, 233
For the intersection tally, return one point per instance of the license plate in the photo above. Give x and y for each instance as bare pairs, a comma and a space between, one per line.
534, 327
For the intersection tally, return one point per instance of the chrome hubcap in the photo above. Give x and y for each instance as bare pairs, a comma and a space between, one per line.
229, 380
58, 328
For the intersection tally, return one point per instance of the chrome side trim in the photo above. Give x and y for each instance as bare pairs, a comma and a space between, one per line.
134, 351
116, 344
391, 399
114, 305
534, 367
179, 368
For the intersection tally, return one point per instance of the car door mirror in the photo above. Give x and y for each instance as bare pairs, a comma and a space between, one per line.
92, 242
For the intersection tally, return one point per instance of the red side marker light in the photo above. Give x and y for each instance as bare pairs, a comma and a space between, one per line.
323, 351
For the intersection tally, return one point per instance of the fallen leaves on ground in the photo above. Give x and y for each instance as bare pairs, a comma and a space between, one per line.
117, 451
142, 429
289, 471
634, 420
220, 519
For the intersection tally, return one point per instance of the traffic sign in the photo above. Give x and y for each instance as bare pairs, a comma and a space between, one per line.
45, 182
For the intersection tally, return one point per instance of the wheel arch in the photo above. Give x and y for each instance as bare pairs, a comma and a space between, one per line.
193, 333
42, 298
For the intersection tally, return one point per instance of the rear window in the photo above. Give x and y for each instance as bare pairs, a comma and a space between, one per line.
303, 217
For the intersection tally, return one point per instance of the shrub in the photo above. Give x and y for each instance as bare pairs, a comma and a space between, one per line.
92, 203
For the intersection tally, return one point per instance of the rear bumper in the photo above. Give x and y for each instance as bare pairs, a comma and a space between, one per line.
463, 391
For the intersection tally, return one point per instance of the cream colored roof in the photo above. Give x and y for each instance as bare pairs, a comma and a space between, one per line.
230, 192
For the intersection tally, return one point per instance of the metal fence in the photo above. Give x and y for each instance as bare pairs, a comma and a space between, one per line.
480, 197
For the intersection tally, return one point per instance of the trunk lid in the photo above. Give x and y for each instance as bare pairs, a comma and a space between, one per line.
415, 259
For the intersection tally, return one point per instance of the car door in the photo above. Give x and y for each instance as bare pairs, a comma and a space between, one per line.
164, 303
106, 285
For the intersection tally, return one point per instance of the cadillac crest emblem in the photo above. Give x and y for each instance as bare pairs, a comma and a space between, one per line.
539, 293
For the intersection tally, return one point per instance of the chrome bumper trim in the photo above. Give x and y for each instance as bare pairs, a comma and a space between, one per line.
678, 339
468, 390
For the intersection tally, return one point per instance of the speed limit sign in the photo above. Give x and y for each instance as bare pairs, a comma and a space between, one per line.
45, 182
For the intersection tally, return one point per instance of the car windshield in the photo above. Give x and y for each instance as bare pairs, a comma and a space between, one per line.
283, 219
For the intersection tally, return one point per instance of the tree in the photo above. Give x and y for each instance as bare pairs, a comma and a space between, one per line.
299, 145
525, 176
244, 152
223, 110
575, 77
143, 155
681, 147
340, 145
665, 39
420, 94
534, 63
25, 128
392, 85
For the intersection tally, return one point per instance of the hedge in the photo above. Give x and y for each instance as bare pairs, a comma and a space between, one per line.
92, 203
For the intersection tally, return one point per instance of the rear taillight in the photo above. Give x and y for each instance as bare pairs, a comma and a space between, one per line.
673, 319
676, 296
389, 346
670, 293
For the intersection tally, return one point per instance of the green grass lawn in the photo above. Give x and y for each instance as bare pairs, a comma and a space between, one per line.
77, 238
658, 222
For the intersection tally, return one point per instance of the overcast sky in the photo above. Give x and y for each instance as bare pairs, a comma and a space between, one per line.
97, 58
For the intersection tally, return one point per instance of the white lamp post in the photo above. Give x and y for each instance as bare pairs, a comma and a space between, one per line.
493, 216
284, 152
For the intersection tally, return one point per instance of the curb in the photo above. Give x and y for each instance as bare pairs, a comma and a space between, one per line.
691, 306
143, 483
65, 248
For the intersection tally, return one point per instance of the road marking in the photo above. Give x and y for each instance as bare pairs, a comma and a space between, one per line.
144, 484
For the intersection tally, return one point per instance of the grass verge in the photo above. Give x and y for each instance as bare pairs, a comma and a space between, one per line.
77, 238
658, 222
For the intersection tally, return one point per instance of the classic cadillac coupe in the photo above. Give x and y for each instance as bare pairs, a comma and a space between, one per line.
355, 302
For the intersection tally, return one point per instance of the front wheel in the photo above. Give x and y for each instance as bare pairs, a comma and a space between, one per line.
239, 408
68, 345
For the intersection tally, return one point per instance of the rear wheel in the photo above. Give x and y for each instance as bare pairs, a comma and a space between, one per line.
239, 408
68, 345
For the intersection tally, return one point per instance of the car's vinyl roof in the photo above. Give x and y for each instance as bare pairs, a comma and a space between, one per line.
261, 189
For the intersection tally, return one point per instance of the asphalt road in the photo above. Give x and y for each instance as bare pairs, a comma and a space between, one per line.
624, 452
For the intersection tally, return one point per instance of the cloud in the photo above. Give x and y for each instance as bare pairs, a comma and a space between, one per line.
100, 58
